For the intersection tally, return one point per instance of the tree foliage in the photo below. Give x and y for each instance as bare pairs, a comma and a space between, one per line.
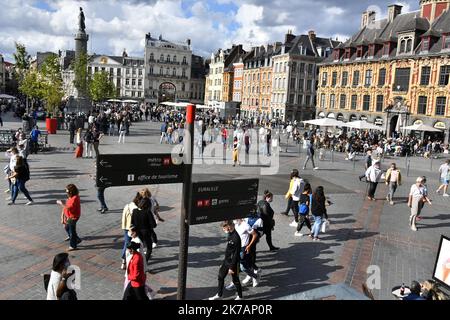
101, 87
80, 69
52, 84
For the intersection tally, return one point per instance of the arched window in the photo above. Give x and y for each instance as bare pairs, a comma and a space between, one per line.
183, 87
174, 72
168, 58
402, 46
161, 71
152, 57
174, 58
167, 71
184, 60
408, 46
161, 58
184, 73
151, 70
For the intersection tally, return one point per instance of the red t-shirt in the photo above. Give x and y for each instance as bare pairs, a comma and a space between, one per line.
136, 273
72, 209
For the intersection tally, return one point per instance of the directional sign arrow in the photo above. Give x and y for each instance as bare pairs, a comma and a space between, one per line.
102, 180
103, 162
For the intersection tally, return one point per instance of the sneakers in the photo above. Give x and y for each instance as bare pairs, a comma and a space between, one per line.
446, 195
67, 239
298, 234
230, 287
103, 210
216, 297
316, 168
29, 203
247, 280
71, 249
255, 282
238, 298
154, 245
391, 203
274, 249
293, 224
413, 228
7, 191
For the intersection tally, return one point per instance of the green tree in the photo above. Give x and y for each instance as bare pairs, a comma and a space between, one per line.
22, 59
101, 87
31, 85
80, 69
51, 84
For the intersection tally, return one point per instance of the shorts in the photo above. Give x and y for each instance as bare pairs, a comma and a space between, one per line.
444, 181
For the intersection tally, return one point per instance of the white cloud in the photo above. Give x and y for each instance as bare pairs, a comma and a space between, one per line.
115, 24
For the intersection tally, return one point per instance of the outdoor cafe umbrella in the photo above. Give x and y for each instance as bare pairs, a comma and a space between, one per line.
6, 96
362, 125
421, 127
130, 101
114, 100
324, 122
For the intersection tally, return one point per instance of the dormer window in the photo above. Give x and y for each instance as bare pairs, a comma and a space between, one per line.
405, 45
386, 49
446, 42
426, 44
347, 53
359, 52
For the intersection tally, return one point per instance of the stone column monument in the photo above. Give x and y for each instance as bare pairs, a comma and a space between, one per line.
81, 103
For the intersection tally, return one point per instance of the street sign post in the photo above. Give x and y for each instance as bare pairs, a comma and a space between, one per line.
138, 169
215, 201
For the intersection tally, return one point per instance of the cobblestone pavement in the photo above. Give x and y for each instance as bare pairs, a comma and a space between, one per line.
362, 233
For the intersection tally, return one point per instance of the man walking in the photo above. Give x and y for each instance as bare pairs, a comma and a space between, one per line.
393, 180
444, 171
230, 264
34, 138
368, 164
373, 176
310, 153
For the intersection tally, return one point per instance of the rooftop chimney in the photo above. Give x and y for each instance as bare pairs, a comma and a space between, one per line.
367, 18
289, 37
312, 35
393, 11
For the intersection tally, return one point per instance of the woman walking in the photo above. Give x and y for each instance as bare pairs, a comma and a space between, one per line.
122, 132
415, 201
236, 151
319, 211
295, 192
154, 213
141, 219
79, 141
19, 176
70, 215
126, 224
393, 180
136, 275
266, 213
304, 208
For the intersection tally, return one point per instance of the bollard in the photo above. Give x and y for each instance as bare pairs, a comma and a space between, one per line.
354, 163
431, 162
407, 168
406, 160
332, 155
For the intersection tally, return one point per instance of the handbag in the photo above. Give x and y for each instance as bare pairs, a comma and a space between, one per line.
325, 226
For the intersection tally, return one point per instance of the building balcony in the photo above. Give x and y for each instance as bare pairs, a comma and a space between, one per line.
175, 63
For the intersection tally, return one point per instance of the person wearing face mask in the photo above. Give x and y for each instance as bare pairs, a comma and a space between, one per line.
230, 264
266, 212
60, 263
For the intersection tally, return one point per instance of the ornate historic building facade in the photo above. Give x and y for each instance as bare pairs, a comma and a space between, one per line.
394, 70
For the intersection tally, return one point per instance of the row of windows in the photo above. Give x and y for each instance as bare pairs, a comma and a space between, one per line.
133, 82
379, 106
402, 78
264, 89
118, 71
167, 58
301, 68
133, 94
161, 71
255, 77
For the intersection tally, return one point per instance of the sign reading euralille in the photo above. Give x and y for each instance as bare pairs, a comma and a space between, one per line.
115, 170
215, 201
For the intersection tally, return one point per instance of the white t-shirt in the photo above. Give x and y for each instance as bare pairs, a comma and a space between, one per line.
416, 192
244, 230
297, 189
55, 279
443, 169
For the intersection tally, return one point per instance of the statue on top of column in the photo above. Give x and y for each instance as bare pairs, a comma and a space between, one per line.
81, 24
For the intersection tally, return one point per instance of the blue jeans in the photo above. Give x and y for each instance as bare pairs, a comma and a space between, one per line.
71, 229
247, 263
316, 227
126, 241
101, 197
19, 185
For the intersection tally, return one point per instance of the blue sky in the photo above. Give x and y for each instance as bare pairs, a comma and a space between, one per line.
49, 25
